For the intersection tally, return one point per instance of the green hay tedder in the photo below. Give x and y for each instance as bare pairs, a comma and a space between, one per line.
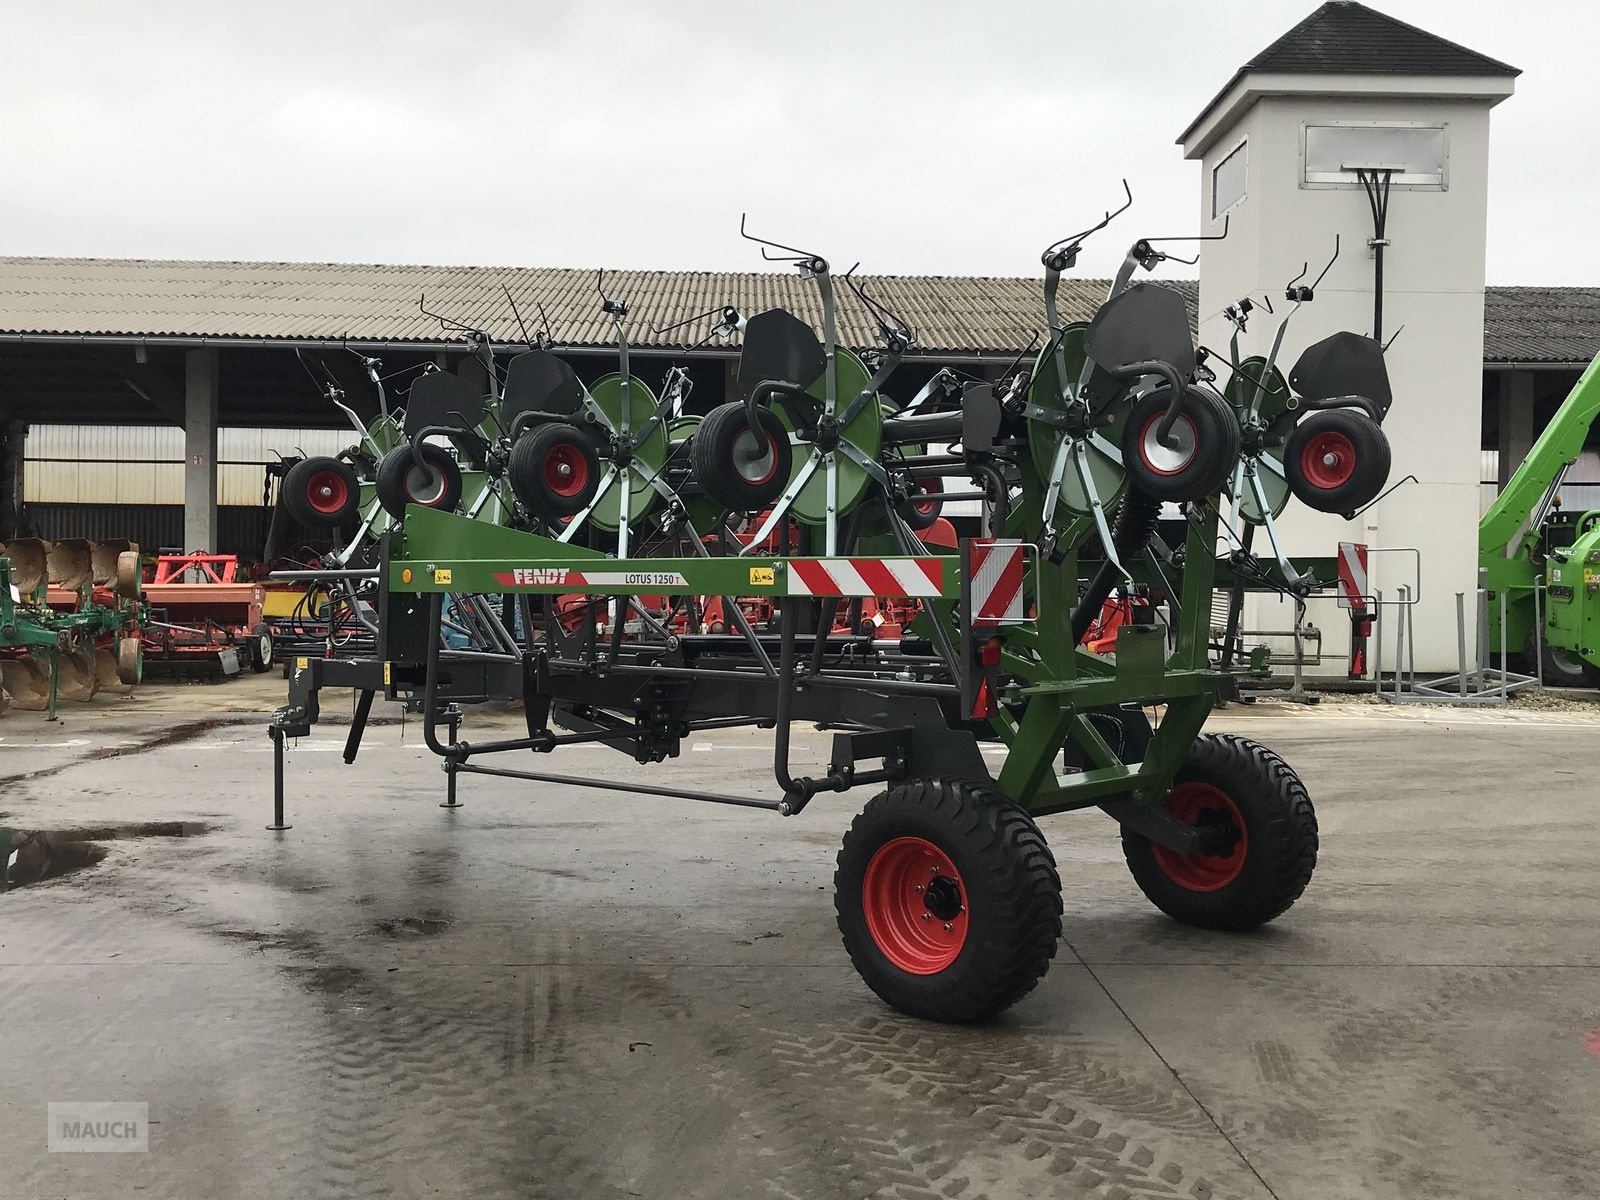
1108, 466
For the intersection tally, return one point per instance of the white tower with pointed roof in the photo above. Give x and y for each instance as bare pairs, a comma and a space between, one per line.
1292, 151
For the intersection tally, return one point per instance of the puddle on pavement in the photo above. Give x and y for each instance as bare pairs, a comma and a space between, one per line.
29, 856
186, 732
402, 927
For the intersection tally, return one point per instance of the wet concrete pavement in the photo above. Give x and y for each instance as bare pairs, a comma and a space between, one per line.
567, 993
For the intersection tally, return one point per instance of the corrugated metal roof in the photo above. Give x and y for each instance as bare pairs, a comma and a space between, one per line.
1541, 324
377, 303
954, 315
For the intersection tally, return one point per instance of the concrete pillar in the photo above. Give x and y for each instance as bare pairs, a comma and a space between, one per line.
200, 450
13, 437
1516, 421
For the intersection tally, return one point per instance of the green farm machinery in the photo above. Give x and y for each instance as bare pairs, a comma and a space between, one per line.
70, 620
800, 498
1542, 565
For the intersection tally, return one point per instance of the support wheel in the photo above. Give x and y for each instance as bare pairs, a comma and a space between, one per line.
948, 899
261, 649
738, 470
435, 484
130, 660
1206, 445
554, 470
1263, 838
1336, 460
321, 492
922, 508
126, 581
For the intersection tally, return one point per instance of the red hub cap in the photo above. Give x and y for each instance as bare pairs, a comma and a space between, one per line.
566, 470
929, 488
327, 491
1328, 460
1201, 804
915, 905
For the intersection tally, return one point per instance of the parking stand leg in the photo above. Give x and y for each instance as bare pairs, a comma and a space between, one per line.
452, 716
278, 823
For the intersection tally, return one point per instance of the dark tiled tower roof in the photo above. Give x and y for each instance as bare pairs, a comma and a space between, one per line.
1347, 38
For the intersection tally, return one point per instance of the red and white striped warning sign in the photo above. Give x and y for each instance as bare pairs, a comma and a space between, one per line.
997, 569
866, 576
1353, 575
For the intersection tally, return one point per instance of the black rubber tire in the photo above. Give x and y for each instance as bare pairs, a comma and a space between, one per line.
532, 482
398, 488
261, 650
1212, 433
724, 433
320, 492
1280, 838
1351, 433
919, 512
1560, 668
1010, 888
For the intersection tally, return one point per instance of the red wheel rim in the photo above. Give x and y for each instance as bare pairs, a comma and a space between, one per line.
915, 905
425, 485
1201, 804
327, 491
566, 470
1328, 460
1164, 460
930, 488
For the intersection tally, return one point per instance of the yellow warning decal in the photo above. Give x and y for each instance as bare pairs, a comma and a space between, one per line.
441, 575
302, 664
387, 673
762, 577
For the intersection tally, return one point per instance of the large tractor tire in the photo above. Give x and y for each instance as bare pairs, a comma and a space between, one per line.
948, 899
1268, 838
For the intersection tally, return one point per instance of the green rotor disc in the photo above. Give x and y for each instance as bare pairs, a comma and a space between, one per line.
648, 458
1105, 460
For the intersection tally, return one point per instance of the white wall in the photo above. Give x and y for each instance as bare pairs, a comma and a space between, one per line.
1433, 286
143, 464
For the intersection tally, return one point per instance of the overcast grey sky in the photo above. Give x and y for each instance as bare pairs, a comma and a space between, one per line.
933, 137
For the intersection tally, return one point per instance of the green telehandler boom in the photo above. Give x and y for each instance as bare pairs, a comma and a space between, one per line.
1524, 539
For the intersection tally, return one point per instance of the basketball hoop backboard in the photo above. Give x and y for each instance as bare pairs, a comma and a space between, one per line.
1413, 155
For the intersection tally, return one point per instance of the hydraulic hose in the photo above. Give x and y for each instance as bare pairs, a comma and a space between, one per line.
1136, 521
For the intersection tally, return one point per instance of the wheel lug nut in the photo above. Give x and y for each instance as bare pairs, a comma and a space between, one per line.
927, 916
947, 926
919, 887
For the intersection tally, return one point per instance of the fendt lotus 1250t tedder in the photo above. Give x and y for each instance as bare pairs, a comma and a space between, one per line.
616, 525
